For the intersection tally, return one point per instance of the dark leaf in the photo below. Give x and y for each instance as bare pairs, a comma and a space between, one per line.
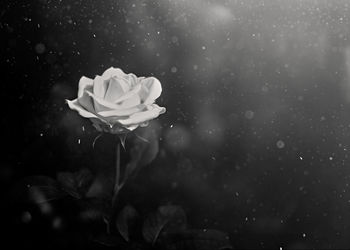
83, 179
76, 184
41, 189
101, 187
144, 149
166, 218
194, 240
126, 220
109, 240
94, 209
91, 214
151, 145
67, 181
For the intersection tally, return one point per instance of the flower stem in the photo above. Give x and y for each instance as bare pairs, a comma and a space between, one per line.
117, 175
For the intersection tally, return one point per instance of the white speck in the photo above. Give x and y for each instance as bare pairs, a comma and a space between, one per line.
41, 134
173, 69
249, 114
94, 35
265, 89
83, 128
330, 158
304, 235
78, 141
300, 157
203, 47
280, 144
40, 48
172, 125
174, 39
281, 248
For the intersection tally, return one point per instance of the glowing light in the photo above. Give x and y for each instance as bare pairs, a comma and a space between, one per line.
280, 144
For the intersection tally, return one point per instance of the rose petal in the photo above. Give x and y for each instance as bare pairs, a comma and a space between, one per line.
133, 79
144, 116
74, 105
121, 112
131, 127
131, 102
113, 72
101, 104
151, 90
100, 86
129, 94
124, 83
115, 90
84, 83
86, 101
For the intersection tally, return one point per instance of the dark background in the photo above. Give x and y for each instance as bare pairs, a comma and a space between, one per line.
256, 135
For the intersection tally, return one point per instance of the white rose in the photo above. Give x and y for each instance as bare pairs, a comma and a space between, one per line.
117, 102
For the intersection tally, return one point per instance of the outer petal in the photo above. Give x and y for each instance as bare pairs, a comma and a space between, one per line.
141, 117
86, 101
74, 105
113, 72
121, 112
151, 90
131, 127
84, 83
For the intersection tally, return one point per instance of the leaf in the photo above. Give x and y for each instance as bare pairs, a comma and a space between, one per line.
41, 189
94, 209
143, 151
195, 240
126, 220
150, 140
109, 240
166, 216
67, 181
100, 188
76, 184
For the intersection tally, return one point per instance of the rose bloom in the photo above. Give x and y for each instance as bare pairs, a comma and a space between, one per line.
117, 102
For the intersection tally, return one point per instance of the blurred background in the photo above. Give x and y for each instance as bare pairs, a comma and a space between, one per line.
255, 140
